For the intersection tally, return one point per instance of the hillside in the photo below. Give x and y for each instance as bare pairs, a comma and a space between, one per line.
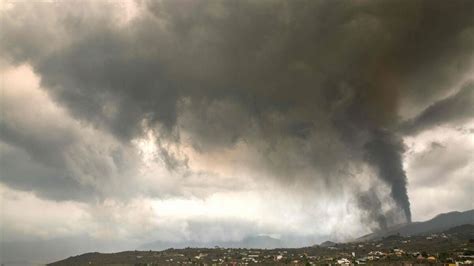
439, 223
450, 246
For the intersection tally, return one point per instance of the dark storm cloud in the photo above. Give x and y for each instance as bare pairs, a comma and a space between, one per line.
18, 171
323, 77
53, 159
453, 109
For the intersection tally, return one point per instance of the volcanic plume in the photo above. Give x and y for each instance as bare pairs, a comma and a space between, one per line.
315, 88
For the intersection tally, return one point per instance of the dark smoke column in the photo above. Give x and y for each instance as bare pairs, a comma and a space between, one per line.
383, 152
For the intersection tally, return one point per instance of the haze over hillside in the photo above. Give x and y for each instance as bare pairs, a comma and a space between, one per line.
453, 245
53, 250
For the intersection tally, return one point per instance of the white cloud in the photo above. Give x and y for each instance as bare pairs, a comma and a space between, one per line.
26, 216
439, 165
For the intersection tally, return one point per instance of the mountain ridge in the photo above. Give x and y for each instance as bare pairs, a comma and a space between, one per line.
439, 223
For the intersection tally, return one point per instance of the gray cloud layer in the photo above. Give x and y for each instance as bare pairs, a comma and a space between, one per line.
315, 86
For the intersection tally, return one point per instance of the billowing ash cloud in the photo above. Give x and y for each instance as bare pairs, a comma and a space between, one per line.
371, 203
315, 86
384, 152
453, 109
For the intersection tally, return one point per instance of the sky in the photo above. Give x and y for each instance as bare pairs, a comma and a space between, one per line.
129, 122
